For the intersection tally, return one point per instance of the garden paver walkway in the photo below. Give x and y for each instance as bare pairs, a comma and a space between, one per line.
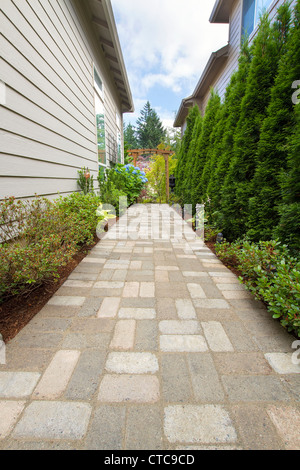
151, 344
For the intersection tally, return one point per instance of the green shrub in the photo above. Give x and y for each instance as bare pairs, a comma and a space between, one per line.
121, 181
39, 236
271, 274
46, 240
130, 180
109, 192
83, 208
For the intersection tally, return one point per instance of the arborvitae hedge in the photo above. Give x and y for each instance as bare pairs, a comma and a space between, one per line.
260, 80
288, 229
272, 148
198, 193
241, 158
191, 156
224, 153
183, 153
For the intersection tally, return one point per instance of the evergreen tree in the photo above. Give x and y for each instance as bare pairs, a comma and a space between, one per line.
193, 114
213, 153
276, 129
288, 229
150, 131
223, 155
189, 167
130, 136
198, 193
262, 73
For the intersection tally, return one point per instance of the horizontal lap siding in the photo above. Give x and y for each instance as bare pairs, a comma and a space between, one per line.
112, 102
48, 119
222, 80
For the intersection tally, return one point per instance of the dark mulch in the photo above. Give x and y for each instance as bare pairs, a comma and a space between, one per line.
231, 264
17, 312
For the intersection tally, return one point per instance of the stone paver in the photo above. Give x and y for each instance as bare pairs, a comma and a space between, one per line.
124, 335
17, 384
198, 424
54, 420
216, 336
151, 344
9, 412
129, 388
131, 363
57, 375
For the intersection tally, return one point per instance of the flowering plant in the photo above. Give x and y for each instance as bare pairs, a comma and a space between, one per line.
131, 180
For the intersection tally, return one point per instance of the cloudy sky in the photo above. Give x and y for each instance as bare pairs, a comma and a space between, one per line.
166, 45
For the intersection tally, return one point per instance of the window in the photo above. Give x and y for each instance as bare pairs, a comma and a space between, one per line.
261, 8
100, 118
252, 11
98, 83
119, 141
119, 148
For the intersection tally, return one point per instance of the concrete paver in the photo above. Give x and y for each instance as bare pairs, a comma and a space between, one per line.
151, 344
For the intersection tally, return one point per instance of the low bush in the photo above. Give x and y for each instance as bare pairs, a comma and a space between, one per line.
39, 236
271, 274
120, 181
110, 194
130, 180
82, 207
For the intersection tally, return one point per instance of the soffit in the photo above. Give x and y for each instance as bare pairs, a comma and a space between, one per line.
103, 23
221, 11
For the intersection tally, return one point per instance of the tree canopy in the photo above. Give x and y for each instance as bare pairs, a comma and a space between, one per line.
148, 132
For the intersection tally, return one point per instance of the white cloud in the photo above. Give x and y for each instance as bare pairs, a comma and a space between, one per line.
166, 41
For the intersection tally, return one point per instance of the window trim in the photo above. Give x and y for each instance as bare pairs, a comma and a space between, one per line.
99, 93
255, 24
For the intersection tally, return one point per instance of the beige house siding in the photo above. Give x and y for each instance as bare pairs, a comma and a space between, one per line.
48, 127
222, 80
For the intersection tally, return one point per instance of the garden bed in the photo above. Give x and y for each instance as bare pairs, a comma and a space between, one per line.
17, 312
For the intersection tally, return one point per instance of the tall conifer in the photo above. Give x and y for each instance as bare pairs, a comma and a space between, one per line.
214, 103
184, 149
189, 168
288, 229
233, 98
262, 73
213, 153
276, 129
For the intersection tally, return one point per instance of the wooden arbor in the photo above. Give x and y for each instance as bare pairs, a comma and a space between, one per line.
135, 153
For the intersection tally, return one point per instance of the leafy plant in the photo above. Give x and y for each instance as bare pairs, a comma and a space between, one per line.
122, 180
110, 194
131, 180
85, 180
271, 274
157, 176
83, 209
40, 236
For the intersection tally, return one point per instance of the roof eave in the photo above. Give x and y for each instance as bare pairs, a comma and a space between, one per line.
182, 113
221, 11
102, 18
211, 70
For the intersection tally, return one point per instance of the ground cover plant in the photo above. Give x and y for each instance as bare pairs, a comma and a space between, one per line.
270, 272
